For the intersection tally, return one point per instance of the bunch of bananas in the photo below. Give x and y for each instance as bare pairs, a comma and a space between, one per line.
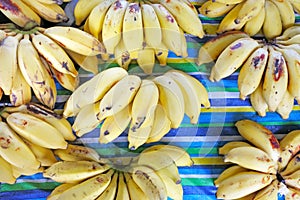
86, 176
263, 167
269, 69
30, 59
140, 30
28, 13
151, 106
28, 134
269, 16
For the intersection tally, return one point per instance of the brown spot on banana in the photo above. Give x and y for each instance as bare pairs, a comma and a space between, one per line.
9, 5
278, 69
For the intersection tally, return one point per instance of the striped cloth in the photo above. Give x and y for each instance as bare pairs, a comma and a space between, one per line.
201, 141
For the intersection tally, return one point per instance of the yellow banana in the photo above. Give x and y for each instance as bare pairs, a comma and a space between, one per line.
114, 126
19, 13
146, 59
296, 5
112, 25
170, 29
269, 192
252, 158
259, 136
229, 1
230, 171
171, 99
272, 26
119, 96
134, 190
58, 190
231, 145
122, 56
6, 172
24, 158
211, 49
152, 29
184, 51
258, 102
75, 40
185, 17
83, 9
252, 72
289, 33
96, 17
93, 90
232, 57
292, 194
50, 12
290, 41
132, 32
215, 9
111, 190
293, 179
242, 184
122, 193
161, 54
36, 130
286, 105
254, 25
86, 120
26, 171
292, 166
8, 68
250, 9
275, 80
286, 11
149, 182
161, 125
67, 81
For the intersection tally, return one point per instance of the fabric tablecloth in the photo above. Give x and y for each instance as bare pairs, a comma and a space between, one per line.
201, 141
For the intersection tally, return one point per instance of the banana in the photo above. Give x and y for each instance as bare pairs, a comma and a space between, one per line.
184, 51
96, 17
20, 91
296, 5
161, 125
112, 25
258, 102
185, 17
67, 81
86, 120
144, 104
132, 32
83, 9
146, 59
111, 190
269, 192
114, 126
54, 54
45, 156
211, 49
293, 166
250, 9
179, 155
242, 184
214, 9
275, 80
293, 179
229, 1
174, 191
289, 146
6, 172
170, 29
88, 189
36, 75
254, 25
286, 13
74, 171
231, 145
149, 182
286, 105
19, 13
30, 128
272, 26
252, 72
122, 193
75, 40
88, 63
292, 194
134, 190
232, 57
259, 136
122, 56
17, 172
289, 33
119, 96
77, 153
90, 91
59, 189
50, 12
161, 54
230, 171
59, 2
8, 68
152, 28
252, 158
171, 99
228, 22
292, 40
10, 141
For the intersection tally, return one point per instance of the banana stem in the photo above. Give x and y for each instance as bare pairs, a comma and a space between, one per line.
110, 172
